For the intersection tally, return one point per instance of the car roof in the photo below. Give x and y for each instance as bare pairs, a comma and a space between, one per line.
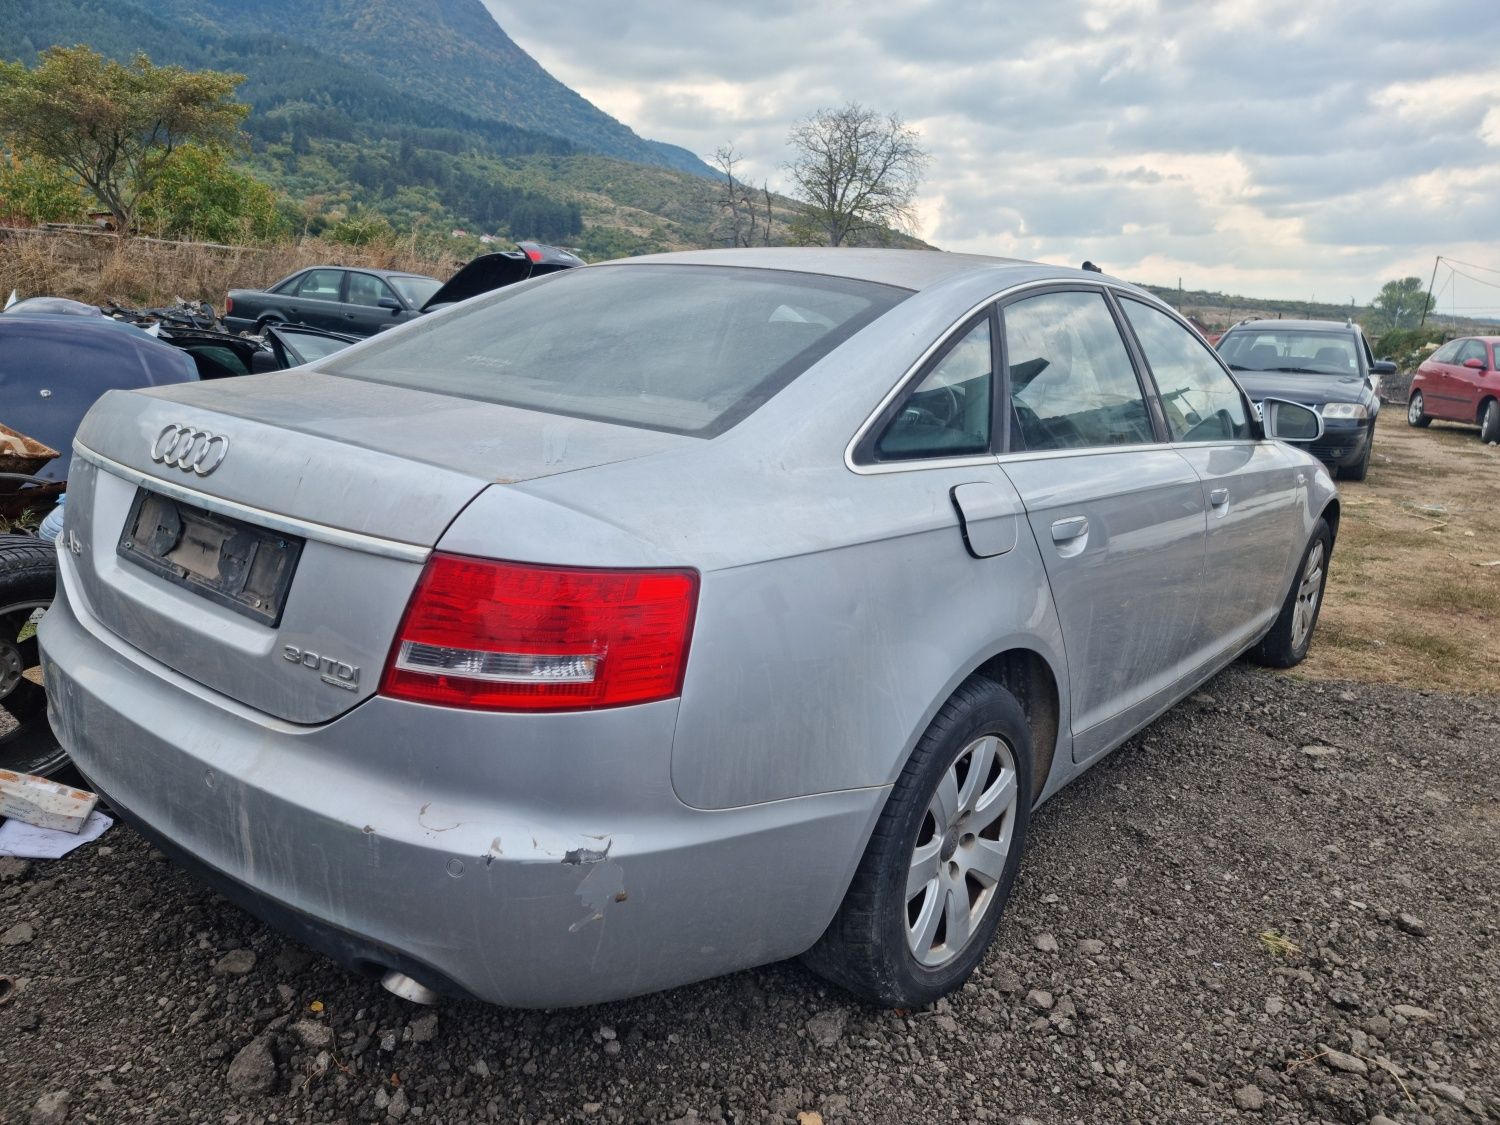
65, 323
1296, 325
908, 269
362, 269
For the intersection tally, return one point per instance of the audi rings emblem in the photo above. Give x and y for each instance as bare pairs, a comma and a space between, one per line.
191, 450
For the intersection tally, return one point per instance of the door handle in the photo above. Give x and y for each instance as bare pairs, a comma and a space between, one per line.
1218, 497
1065, 531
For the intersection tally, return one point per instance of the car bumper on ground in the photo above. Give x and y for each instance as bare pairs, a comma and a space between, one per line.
481, 870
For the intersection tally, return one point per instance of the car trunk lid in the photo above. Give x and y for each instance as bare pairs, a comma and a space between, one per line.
273, 563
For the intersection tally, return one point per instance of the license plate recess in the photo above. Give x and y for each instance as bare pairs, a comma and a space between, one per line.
231, 563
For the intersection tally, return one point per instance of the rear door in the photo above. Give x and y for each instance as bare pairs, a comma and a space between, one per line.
1251, 488
1117, 514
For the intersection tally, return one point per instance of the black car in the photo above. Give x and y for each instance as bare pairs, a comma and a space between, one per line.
1324, 364
362, 302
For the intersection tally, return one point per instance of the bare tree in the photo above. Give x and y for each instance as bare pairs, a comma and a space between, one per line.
857, 172
742, 214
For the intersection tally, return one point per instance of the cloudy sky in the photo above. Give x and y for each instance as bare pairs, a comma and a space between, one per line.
1270, 147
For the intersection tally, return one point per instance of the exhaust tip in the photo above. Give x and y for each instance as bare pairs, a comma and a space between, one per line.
399, 984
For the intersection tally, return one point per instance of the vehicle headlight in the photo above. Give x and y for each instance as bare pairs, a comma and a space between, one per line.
1344, 410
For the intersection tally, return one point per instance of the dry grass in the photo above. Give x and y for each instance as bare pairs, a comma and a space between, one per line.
102, 269
1410, 599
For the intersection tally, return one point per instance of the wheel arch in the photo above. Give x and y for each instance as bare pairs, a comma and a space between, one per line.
1027, 675
1330, 515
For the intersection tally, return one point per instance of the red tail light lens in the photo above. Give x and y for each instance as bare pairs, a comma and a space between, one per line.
228, 305
515, 637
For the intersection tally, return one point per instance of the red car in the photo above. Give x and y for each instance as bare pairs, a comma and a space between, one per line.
1460, 383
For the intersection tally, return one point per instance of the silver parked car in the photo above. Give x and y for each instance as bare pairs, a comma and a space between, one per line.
654, 620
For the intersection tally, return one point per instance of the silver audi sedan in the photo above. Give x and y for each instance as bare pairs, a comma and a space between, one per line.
650, 621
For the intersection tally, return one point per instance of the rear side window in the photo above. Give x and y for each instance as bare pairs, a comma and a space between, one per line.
321, 285
1199, 398
1072, 384
687, 349
948, 413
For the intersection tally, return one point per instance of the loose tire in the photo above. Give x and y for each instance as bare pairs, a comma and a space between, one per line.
932, 884
1287, 642
1414, 414
28, 579
1489, 422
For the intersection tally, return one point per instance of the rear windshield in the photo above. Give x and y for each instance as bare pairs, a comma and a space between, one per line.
688, 349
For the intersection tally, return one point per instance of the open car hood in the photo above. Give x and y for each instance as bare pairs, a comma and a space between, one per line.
502, 268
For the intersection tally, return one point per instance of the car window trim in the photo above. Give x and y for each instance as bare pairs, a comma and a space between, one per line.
1251, 413
998, 299
867, 452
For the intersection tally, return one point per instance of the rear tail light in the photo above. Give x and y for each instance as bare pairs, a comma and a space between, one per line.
515, 637
228, 305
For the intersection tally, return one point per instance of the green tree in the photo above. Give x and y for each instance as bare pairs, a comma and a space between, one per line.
199, 194
38, 191
1400, 304
857, 173
114, 125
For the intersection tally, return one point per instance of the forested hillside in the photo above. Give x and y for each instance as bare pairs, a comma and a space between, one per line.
348, 138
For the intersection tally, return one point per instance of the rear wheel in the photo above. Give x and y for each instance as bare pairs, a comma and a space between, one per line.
938, 870
1414, 414
1489, 422
1287, 642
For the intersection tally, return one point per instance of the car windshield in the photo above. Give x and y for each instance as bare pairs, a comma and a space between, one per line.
688, 349
1292, 350
415, 289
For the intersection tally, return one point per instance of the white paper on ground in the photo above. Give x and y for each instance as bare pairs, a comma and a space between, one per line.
27, 841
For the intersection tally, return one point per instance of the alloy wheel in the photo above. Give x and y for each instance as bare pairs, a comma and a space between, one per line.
1308, 593
1414, 409
960, 852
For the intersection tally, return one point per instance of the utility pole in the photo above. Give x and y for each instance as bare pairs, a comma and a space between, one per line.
1430, 284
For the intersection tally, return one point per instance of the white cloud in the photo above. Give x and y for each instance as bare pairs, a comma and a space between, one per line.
1276, 147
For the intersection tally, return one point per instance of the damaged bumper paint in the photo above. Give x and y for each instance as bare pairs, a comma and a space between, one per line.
502, 856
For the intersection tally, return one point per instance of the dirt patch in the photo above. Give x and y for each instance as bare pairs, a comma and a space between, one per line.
1282, 895
1411, 596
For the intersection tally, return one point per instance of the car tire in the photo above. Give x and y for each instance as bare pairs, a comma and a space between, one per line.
1414, 412
28, 581
1287, 643
960, 808
1361, 468
1489, 422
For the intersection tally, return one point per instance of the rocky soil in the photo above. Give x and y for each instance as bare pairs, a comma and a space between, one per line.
1280, 903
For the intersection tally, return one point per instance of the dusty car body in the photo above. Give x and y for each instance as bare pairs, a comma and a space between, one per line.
614, 631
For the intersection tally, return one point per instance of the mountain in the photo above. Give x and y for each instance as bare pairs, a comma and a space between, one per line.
449, 56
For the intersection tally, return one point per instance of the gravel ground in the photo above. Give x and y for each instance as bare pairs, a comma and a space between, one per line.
1130, 982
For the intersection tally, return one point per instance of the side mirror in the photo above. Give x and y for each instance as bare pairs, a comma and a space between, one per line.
1290, 421
389, 303
1382, 367
1476, 364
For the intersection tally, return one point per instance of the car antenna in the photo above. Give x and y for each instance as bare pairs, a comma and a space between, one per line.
1091, 267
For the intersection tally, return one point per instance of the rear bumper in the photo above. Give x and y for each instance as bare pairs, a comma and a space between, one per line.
533, 861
